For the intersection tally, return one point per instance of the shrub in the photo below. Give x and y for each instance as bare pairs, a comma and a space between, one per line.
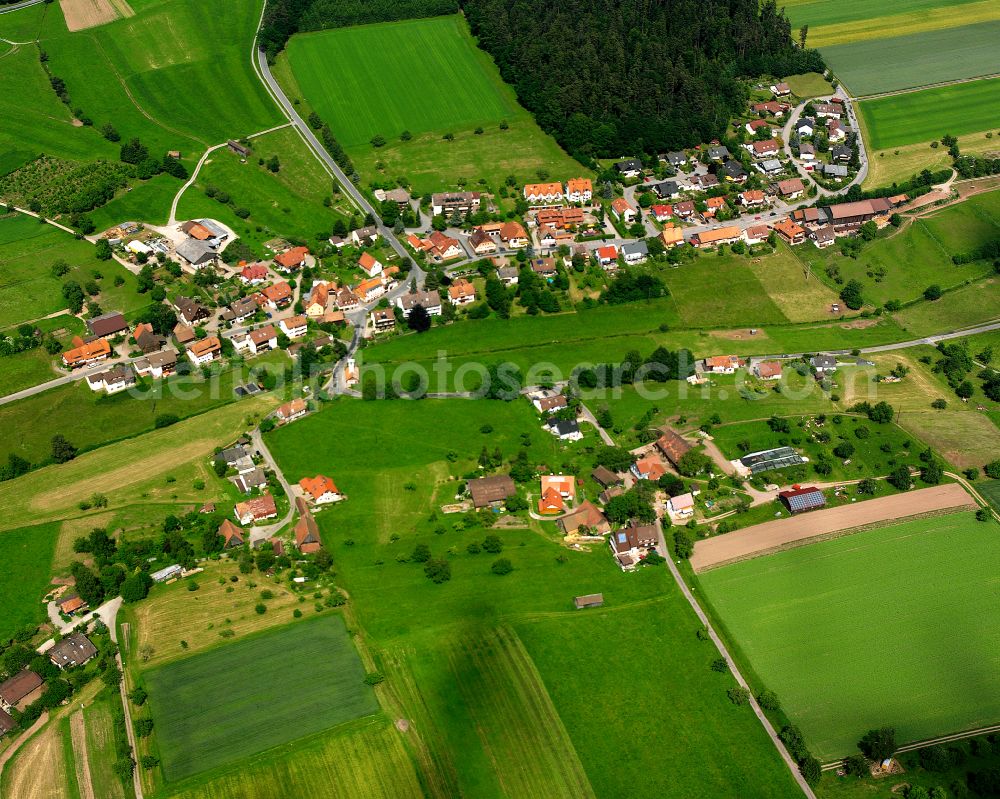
437, 570
502, 566
768, 700
493, 544
260, 608
374, 678
738, 696
720, 665
856, 766
143, 727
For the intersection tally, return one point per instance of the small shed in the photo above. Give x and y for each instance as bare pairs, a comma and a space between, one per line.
589, 601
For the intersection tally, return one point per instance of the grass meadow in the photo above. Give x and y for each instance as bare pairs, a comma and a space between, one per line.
451, 652
436, 82
872, 66
255, 694
926, 115
101, 748
882, 627
25, 566
897, 164
991, 490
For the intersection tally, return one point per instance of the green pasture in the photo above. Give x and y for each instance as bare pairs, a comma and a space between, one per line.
295, 681
25, 563
931, 113
966, 306
858, 632
991, 490
873, 66
809, 84
817, 13
148, 201
435, 82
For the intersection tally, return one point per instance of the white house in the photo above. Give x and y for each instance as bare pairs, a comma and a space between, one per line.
116, 379
579, 190
430, 300
204, 351
294, 326
681, 507
635, 252
370, 265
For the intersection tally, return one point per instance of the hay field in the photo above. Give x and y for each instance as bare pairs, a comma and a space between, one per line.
881, 627
82, 14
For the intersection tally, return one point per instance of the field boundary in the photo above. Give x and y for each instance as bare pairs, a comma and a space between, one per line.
780, 535
938, 85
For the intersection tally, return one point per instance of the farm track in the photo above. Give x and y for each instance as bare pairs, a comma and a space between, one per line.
940, 84
944, 739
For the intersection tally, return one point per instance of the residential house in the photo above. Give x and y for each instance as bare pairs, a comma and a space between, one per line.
805, 127
117, 378
87, 354
452, 202
190, 311
245, 483
550, 502
579, 190
337, 241
256, 510
681, 507
661, 213
799, 500
755, 234
549, 238
607, 256
629, 168
752, 198
492, 491
631, 544
108, 325
461, 292
790, 231
20, 690
292, 410
157, 364
823, 363
240, 310
398, 195
306, 531
768, 370
667, 190
672, 447
712, 206
780, 89
835, 130
263, 339
320, 490
444, 248
684, 210
622, 210
585, 519
841, 153
513, 235
254, 274
756, 125
719, 153
383, 319
184, 333
722, 364
770, 108
827, 110
278, 296
791, 189
734, 172
835, 171
371, 289
713, 238
544, 267
364, 236
550, 404
677, 159
508, 275
635, 252
648, 468
346, 300
294, 326
73, 650
671, 236
807, 152
232, 535
564, 429
542, 193
481, 242
369, 264
196, 253
204, 351
291, 260
770, 166
823, 236
429, 300
556, 491
319, 299
706, 181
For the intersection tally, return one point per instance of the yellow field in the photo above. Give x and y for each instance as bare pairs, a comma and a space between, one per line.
39, 770
364, 758
891, 25
801, 296
128, 472
174, 613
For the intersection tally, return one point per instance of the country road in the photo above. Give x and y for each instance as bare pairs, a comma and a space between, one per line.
19, 6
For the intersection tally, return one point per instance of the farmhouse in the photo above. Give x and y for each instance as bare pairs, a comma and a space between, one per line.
823, 236
87, 354
320, 489
630, 544
605, 477
430, 301
72, 603
190, 311
491, 491
292, 259
19, 691
73, 650
579, 190
232, 535
799, 500
290, 411
712, 238
108, 326
245, 483
588, 601
648, 468
673, 447
205, 351
7, 723
586, 516
542, 193
256, 510
448, 203
196, 253
306, 530
847, 216
146, 338
681, 506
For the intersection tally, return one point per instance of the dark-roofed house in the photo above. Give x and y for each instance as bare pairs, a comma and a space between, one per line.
6, 723
667, 190
672, 446
190, 311
799, 500
108, 325
718, 153
606, 477
197, 253
73, 650
587, 515
491, 491
823, 363
248, 481
20, 690
564, 429
631, 543
629, 168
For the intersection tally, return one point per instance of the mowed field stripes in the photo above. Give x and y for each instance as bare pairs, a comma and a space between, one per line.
888, 626
820, 13
419, 75
249, 696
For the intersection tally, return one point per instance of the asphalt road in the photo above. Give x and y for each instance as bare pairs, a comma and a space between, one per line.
19, 6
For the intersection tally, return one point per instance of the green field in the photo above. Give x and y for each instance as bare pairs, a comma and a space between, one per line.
247, 697
990, 490
437, 81
930, 114
872, 66
819, 13
481, 704
25, 563
858, 632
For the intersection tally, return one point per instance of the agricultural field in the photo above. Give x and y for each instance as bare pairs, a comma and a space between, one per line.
28, 288
25, 564
200, 618
306, 677
147, 201
965, 306
438, 82
100, 748
991, 490
475, 741
899, 164
43, 766
287, 203
873, 66
927, 115
366, 758
900, 606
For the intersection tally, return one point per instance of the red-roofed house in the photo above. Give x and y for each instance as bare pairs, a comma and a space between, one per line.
607, 256
256, 510
768, 370
320, 489
292, 259
370, 265
622, 210
252, 274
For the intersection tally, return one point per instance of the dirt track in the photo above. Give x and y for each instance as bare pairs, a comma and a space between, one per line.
785, 533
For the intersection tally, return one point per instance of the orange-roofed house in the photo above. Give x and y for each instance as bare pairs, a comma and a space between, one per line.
204, 351
443, 247
535, 193
320, 490
87, 354
292, 410
253, 274
256, 510
306, 531
514, 235
563, 484
790, 231
752, 198
461, 292
768, 370
72, 605
608, 255
671, 236
622, 210
370, 289
197, 231
369, 264
579, 190
277, 296
232, 534
551, 502
649, 468
712, 238
722, 364
318, 301
712, 206
292, 259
